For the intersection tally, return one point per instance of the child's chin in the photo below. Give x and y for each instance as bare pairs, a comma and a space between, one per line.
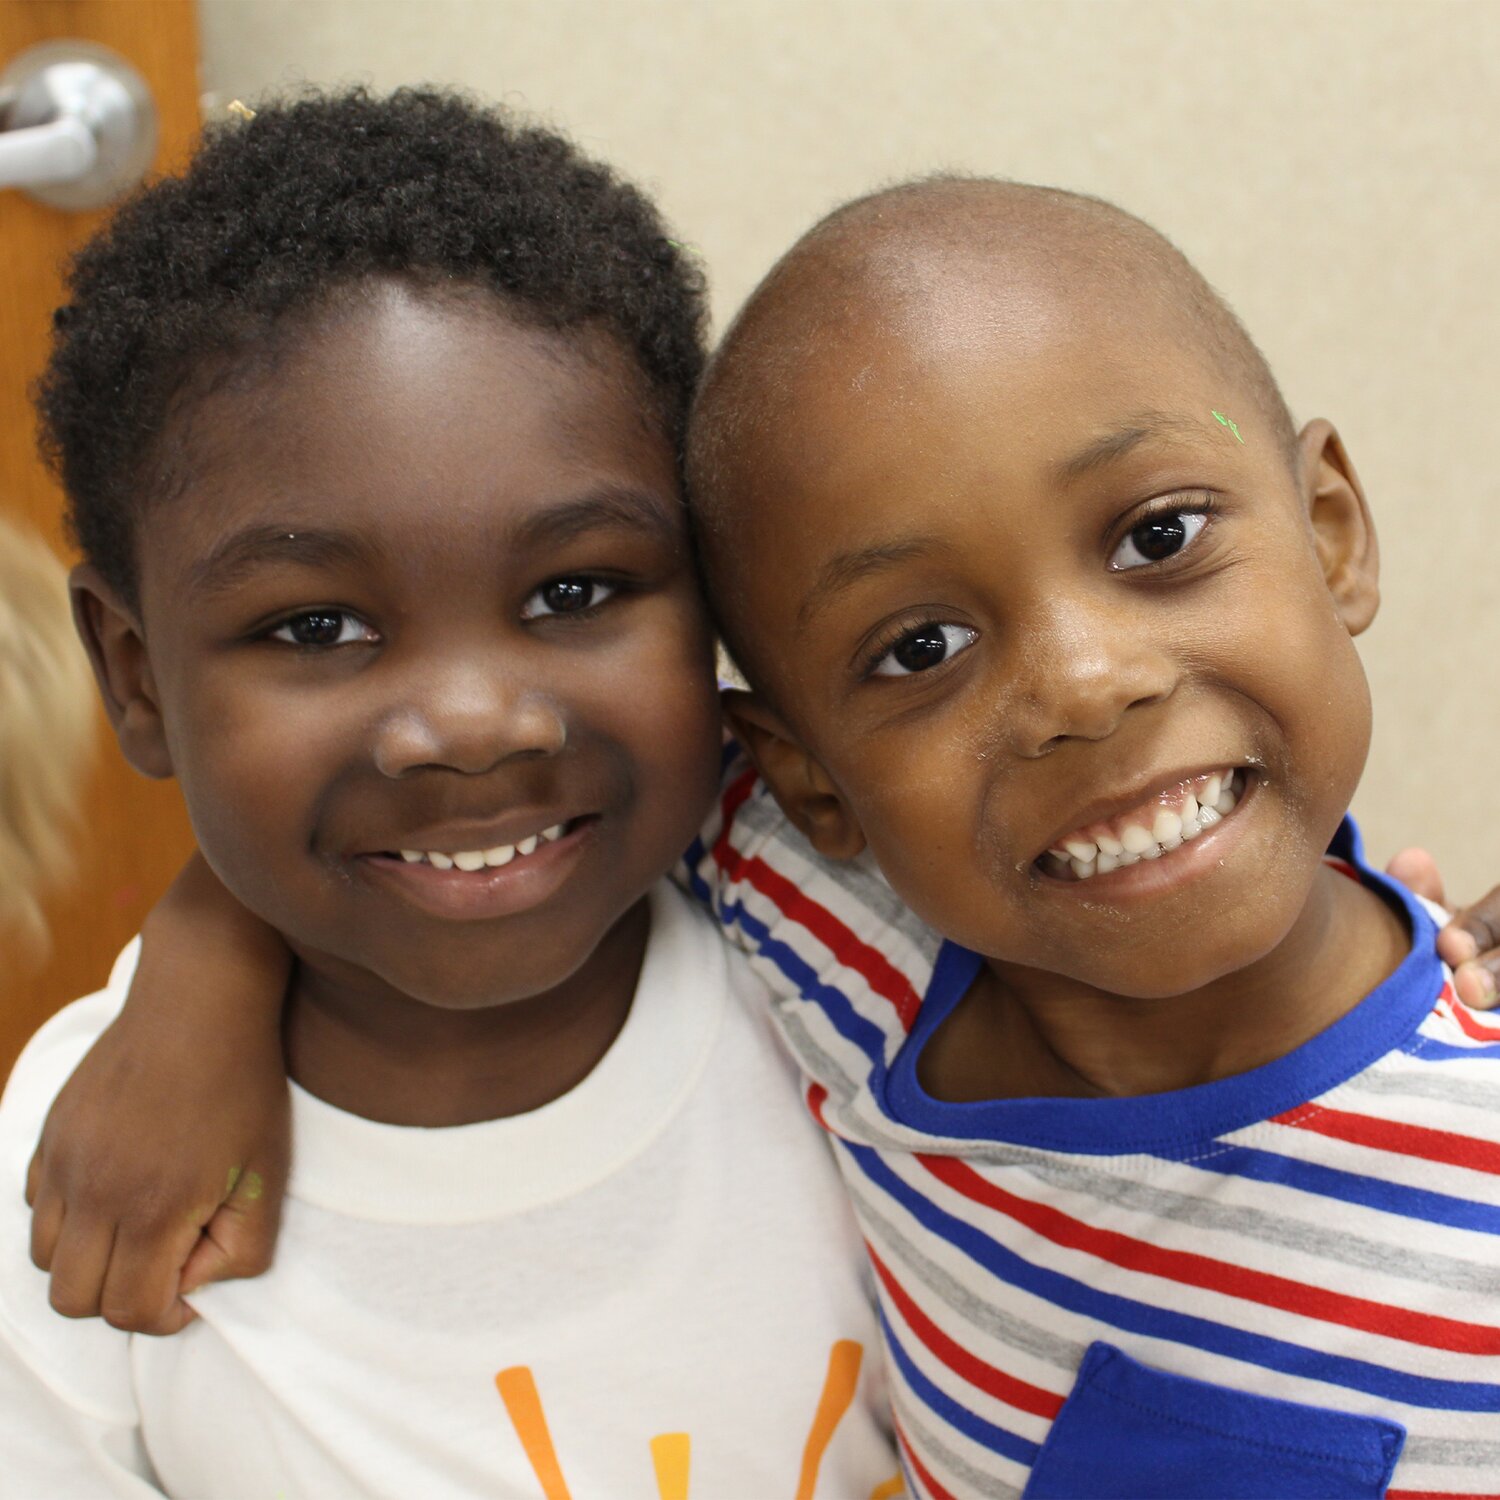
1165, 980
459, 993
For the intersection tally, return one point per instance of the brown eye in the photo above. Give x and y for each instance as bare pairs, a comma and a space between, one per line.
924, 648
567, 596
1157, 538
920, 650
322, 627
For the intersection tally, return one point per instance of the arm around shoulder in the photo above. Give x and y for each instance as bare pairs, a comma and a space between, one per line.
164, 1157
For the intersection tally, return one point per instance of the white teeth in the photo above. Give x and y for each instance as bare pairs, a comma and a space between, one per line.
1167, 829
1189, 816
470, 860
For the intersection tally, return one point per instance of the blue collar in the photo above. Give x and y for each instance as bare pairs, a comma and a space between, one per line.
1163, 1123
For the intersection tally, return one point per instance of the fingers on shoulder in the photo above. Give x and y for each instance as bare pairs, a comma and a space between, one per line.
1471, 942
141, 1287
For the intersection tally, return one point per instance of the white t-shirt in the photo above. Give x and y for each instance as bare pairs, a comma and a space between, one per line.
650, 1288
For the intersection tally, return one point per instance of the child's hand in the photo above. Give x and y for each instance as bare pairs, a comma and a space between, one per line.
1471, 940
164, 1159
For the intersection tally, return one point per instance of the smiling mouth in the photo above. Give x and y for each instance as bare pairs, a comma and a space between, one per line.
473, 861
1155, 829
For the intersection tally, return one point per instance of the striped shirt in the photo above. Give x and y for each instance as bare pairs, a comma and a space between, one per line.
1284, 1282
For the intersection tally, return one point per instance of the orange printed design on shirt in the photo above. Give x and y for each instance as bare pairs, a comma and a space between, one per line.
671, 1452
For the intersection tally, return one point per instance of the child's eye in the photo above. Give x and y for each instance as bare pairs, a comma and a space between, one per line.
323, 627
567, 596
920, 650
1157, 538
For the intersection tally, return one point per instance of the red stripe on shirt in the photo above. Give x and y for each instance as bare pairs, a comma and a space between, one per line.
1391, 1135
1190, 1269
916, 1465
1440, 1495
734, 797
877, 971
816, 1094
1467, 1021
985, 1377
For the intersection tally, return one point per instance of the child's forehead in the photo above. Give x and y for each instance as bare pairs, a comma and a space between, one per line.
404, 418
971, 331
994, 369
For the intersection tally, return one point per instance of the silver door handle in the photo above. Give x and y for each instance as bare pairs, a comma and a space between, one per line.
77, 125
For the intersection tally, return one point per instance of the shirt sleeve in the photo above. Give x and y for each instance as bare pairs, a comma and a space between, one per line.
843, 960
55, 1441
770, 890
69, 1423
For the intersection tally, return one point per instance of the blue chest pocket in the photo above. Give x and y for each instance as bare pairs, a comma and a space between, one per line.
1128, 1432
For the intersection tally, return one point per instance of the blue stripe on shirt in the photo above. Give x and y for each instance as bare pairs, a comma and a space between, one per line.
937, 1400
1347, 1187
1161, 1323
1429, 1049
834, 1004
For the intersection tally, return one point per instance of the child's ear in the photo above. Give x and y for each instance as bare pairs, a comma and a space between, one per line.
116, 648
1343, 532
799, 783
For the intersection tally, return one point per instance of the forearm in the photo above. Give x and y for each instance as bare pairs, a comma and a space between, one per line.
202, 950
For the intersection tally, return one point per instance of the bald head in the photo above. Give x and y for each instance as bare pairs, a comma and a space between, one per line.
925, 261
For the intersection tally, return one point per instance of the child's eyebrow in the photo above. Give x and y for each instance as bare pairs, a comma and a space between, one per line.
844, 570
242, 552
611, 506
1138, 429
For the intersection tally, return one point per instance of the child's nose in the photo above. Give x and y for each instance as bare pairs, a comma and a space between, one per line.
1080, 675
468, 717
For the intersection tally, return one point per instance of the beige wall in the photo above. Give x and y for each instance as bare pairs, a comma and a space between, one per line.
1332, 165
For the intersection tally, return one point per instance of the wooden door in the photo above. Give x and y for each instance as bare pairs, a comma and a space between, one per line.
133, 833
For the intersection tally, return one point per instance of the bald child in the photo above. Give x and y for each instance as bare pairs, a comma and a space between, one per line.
1176, 1160
1179, 1165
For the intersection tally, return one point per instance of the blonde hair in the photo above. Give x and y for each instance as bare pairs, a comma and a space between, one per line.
46, 737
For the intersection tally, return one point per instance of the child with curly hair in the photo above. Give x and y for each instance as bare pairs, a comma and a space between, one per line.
371, 425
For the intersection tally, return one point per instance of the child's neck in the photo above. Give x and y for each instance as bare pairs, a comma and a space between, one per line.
1024, 1033
366, 1048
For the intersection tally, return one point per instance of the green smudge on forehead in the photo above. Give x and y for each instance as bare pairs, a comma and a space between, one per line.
1224, 421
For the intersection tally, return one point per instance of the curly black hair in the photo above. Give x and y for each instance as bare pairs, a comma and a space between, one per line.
309, 197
